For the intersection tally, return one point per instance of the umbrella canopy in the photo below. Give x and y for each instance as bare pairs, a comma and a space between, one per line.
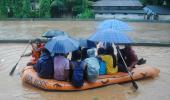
87, 43
53, 33
62, 44
110, 36
114, 24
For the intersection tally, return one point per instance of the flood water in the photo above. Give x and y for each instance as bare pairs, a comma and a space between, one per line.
12, 88
142, 31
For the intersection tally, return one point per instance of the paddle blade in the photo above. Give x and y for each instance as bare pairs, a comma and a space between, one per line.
13, 69
134, 84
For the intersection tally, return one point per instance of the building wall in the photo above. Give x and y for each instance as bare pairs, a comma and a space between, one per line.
120, 16
160, 17
164, 17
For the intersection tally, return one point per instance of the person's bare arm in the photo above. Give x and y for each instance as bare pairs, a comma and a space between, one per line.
27, 54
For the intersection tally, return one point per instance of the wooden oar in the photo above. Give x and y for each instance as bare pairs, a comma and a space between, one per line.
130, 74
13, 69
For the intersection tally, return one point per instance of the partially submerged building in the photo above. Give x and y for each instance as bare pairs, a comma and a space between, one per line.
119, 9
157, 12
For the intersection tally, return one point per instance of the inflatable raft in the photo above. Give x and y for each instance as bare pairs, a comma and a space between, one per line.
29, 76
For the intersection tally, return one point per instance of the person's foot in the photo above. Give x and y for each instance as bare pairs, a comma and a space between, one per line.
141, 61
130, 69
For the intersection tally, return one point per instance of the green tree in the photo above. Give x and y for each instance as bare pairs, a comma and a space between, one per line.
26, 9
86, 14
44, 8
146, 2
167, 3
17, 8
68, 9
80, 6
4, 8
152, 2
57, 8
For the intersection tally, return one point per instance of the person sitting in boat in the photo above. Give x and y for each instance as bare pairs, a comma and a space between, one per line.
84, 53
92, 66
61, 67
77, 69
102, 70
105, 45
37, 47
102, 53
110, 51
129, 56
44, 66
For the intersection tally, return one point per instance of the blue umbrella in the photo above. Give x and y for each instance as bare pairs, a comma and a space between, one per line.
110, 36
114, 24
87, 43
61, 44
53, 33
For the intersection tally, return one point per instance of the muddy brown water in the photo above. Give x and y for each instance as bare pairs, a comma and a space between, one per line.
12, 88
142, 31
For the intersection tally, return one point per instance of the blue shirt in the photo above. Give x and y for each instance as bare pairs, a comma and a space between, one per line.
45, 66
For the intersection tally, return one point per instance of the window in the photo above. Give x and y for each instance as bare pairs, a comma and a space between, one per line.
97, 8
124, 8
105, 8
114, 8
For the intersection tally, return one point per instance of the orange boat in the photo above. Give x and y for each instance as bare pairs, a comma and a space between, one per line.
29, 76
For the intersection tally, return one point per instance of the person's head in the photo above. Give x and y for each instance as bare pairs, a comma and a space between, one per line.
84, 53
91, 52
59, 54
76, 55
128, 47
45, 51
109, 50
38, 41
101, 51
91, 44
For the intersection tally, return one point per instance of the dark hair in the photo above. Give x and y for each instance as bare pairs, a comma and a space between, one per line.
91, 44
101, 51
59, 54
37, 40
84, 53
128, 47
110, 51
44, 50
76, 55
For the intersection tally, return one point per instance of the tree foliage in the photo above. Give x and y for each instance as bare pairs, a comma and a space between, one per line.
86, 14
155, 2
17, 8
26, 9
44, 8
4, 8
81, 6
22, 8
57, 8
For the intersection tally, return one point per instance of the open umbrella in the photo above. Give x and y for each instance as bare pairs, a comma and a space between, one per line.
53, 33
110, 36
87, 43
62, 44
114, 24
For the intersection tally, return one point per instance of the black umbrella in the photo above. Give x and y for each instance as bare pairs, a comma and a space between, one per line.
54, 33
